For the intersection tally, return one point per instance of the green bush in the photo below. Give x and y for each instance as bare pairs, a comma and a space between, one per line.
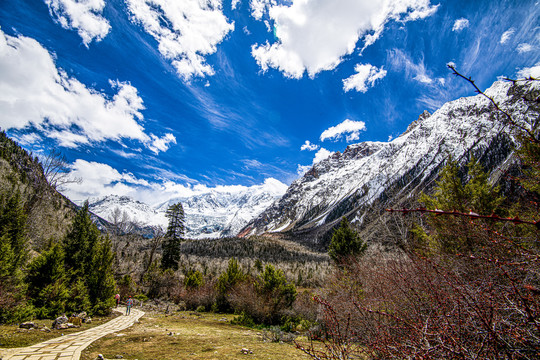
345, 242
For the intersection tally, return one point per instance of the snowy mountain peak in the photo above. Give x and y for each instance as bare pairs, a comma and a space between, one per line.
219, 212
369, 172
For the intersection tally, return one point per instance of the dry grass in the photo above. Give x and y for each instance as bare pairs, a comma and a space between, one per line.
188, 335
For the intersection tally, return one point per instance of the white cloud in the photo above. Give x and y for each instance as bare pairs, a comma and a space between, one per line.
161, 144
100, 179
533, 71
259, 7
34, 93
507, 35
234, 4
365, 76
350, 127
186, 31
524, 47
83, 15
315, 35
402, 62
309, 146
321, 155
460, 24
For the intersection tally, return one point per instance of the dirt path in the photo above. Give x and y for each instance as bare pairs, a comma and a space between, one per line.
69, 347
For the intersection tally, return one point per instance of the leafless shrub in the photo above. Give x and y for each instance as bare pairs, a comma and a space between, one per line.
194, 298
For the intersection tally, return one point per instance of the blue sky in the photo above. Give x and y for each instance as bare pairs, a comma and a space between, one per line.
163, 98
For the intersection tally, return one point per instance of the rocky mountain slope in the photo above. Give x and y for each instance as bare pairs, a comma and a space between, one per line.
213, 214
49, 213
369, 176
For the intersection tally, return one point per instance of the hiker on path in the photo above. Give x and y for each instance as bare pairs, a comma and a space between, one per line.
117, 297
129, 304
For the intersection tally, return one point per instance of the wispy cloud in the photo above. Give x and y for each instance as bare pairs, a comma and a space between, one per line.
401, 62
84, 16
314, 36
349, 127
34, 93
365, 77
524, 48
186, 31
507, 35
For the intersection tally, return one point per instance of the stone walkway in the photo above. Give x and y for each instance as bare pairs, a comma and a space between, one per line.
69, 347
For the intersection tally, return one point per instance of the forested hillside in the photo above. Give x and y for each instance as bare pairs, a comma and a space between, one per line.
48, 212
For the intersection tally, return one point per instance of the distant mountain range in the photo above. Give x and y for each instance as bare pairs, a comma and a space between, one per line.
213, 214
367, 177
358, 183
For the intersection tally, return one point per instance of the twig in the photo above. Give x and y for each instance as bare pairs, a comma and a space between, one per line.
472, 215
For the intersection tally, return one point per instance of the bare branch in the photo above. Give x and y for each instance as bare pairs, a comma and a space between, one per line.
509, 118
472, 215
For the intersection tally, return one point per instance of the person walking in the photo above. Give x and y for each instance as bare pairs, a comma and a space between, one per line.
129, 304
117, 298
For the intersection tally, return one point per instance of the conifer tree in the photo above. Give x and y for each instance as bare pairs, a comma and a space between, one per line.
226, 281
173, 238
345, 242
46, 281
13, 256
88, 262
101, 283
80, 244
275, 292
454, 234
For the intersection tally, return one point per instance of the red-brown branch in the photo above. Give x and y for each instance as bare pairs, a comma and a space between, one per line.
471, 215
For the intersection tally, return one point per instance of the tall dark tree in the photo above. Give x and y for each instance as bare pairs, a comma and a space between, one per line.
13, 256
345, 242
88, 262
80, 243
47, 289
174, 237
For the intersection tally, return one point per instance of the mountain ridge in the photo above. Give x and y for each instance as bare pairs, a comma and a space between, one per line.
384, 173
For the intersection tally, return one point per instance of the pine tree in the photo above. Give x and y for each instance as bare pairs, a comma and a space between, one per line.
100, 279
46, 279
275, 292
345, 242
226, 281
454, 234
13, 257
80, 244
88, 262
173, 238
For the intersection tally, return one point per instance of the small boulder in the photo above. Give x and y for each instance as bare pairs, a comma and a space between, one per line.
100, 357
246, 351
59, 321
28, 325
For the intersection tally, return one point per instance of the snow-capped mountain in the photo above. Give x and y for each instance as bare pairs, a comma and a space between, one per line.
212, 214
224, 213
135, 211
348, 183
